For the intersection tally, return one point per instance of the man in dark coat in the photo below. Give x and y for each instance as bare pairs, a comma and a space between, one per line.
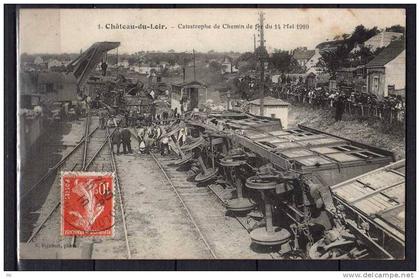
126, 140
339, 108
116, 140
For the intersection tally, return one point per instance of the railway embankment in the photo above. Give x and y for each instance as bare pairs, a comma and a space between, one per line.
368, 132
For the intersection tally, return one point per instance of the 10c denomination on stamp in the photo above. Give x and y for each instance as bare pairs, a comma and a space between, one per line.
87, 203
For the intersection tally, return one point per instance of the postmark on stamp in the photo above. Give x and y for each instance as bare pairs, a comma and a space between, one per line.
87, 203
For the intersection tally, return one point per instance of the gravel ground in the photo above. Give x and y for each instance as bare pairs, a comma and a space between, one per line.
158, 226
372, 133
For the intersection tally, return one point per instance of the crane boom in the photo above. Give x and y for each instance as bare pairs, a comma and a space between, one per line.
83, 65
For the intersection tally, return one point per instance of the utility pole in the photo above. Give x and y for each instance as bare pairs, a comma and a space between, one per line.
117, 56
255, 43
261, 54
194, 62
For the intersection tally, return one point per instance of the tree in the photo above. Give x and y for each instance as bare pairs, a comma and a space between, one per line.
396, 28
360, 35
333, 60
281, 60
250, 60
247, 57
215, 66
342, 57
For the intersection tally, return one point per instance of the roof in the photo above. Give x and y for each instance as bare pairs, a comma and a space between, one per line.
303, 54
270, 101
388, 54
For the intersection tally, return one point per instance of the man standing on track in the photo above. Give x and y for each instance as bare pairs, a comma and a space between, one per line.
140, 137
116, 140
126, 140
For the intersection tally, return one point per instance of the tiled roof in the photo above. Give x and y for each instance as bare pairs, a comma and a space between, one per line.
388, 54
303, 54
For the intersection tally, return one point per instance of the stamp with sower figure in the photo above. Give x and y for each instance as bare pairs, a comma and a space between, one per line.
87, 203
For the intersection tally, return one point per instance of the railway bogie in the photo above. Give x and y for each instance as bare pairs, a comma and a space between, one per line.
288, 177
298, 192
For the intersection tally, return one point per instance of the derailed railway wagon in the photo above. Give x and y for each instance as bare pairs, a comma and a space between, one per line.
292, 178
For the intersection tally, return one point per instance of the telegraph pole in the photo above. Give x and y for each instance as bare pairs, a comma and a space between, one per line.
194, 62
261, 57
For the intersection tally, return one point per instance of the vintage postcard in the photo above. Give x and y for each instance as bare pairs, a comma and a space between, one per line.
212, 133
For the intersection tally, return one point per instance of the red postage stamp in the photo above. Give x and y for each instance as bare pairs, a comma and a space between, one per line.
87, 204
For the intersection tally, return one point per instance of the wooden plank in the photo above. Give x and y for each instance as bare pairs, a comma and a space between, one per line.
324, 150
297, 153
380, 179
377, 191
397, 172
369, 208
279, 133
390, 166
341, 157
312, 161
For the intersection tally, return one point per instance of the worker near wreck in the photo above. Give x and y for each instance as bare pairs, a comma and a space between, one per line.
126, 140
339, 107
116, 140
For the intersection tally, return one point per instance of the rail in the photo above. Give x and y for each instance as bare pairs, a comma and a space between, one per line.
185, 206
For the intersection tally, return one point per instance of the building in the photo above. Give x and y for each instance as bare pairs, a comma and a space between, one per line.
303, 55
386, 72
345, 75
227, 65
273, 108
57, 87
188, 95
352, 79
163, 64
146, 69
38, 60
124, 64
382, 39
313, 61
174, 67
54, 63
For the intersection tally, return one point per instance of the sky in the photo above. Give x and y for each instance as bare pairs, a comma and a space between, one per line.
70, 30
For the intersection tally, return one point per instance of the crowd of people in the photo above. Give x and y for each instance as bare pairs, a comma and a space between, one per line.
149, 131
390, 108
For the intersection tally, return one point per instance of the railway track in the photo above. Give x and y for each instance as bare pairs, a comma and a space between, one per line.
96, 156
192, 198
184, 205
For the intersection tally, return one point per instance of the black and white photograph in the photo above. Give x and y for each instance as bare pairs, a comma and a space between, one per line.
212, 133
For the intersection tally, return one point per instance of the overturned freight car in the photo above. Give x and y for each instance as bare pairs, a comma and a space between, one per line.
287, 176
